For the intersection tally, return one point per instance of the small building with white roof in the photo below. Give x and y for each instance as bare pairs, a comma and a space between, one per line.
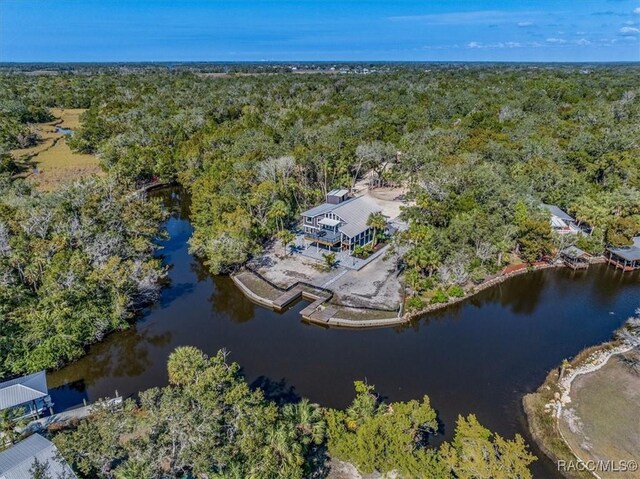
27, 394
19, 460
561, 221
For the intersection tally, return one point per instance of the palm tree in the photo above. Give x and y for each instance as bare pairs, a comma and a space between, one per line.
422, 258
9, 423
286, 237
278, 212
284, 449
377, 221
308, 421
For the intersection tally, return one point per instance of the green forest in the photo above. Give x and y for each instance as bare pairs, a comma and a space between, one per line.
480, 148
208, 423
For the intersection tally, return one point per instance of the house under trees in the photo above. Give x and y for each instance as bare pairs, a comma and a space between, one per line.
32, 457
340, 224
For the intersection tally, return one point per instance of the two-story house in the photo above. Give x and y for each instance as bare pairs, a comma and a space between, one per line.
340, 224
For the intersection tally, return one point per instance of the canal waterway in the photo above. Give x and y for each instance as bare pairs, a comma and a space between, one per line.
479, 356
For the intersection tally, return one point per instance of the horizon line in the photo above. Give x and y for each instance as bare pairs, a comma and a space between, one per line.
266, 62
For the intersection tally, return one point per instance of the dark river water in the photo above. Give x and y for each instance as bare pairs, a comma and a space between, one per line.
480, 356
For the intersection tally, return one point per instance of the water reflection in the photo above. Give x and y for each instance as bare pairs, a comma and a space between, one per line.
479, 356
224, 300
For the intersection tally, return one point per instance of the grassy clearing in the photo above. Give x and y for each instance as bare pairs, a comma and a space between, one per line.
602, 421
68, 117
607, 401
543, 426
51, 163
47, 134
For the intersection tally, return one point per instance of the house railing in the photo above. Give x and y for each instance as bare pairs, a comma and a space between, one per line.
324, 236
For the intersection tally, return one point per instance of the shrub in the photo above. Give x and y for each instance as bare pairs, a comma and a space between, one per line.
329, 260
440, 296
427, 284
456, 291
477, 276
416, 303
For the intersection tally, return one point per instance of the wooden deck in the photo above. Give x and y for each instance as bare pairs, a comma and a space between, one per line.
285, 299
576, 264
323, 314
626, 267
297, 292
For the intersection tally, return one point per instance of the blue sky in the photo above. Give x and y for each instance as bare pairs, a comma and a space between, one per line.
254, 30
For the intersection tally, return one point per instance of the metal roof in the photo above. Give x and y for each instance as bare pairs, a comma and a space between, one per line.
319, 210
16, 461
22, 390
355, 213
555, 211
337, 192
630, 253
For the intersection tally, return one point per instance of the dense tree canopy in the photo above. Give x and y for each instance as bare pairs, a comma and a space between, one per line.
208, 423
74, 265
471, 142
479, 148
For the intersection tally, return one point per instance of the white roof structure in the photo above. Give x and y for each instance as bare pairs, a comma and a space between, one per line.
558, 222
23, 390
337, 192
558, 213
319, 210
329, 222
17, 461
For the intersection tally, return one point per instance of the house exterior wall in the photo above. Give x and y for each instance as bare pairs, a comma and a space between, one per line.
361, 239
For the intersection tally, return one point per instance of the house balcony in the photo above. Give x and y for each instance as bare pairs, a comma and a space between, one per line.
323, 236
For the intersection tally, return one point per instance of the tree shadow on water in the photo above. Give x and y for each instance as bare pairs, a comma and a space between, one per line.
277, 391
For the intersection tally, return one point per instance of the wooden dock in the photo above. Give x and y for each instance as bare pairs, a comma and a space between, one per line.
297, 292
285, 299
322, 315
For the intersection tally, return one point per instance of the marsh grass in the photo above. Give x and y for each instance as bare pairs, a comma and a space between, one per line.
51, 163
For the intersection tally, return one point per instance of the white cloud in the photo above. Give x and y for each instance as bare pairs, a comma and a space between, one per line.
557, 41
462, 18
525, 24
502, 45
629, 30
582, 41
636, 10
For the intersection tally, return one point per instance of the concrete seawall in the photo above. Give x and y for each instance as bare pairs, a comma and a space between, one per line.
322, 312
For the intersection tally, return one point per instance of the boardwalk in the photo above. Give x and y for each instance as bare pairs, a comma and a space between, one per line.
71, 415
